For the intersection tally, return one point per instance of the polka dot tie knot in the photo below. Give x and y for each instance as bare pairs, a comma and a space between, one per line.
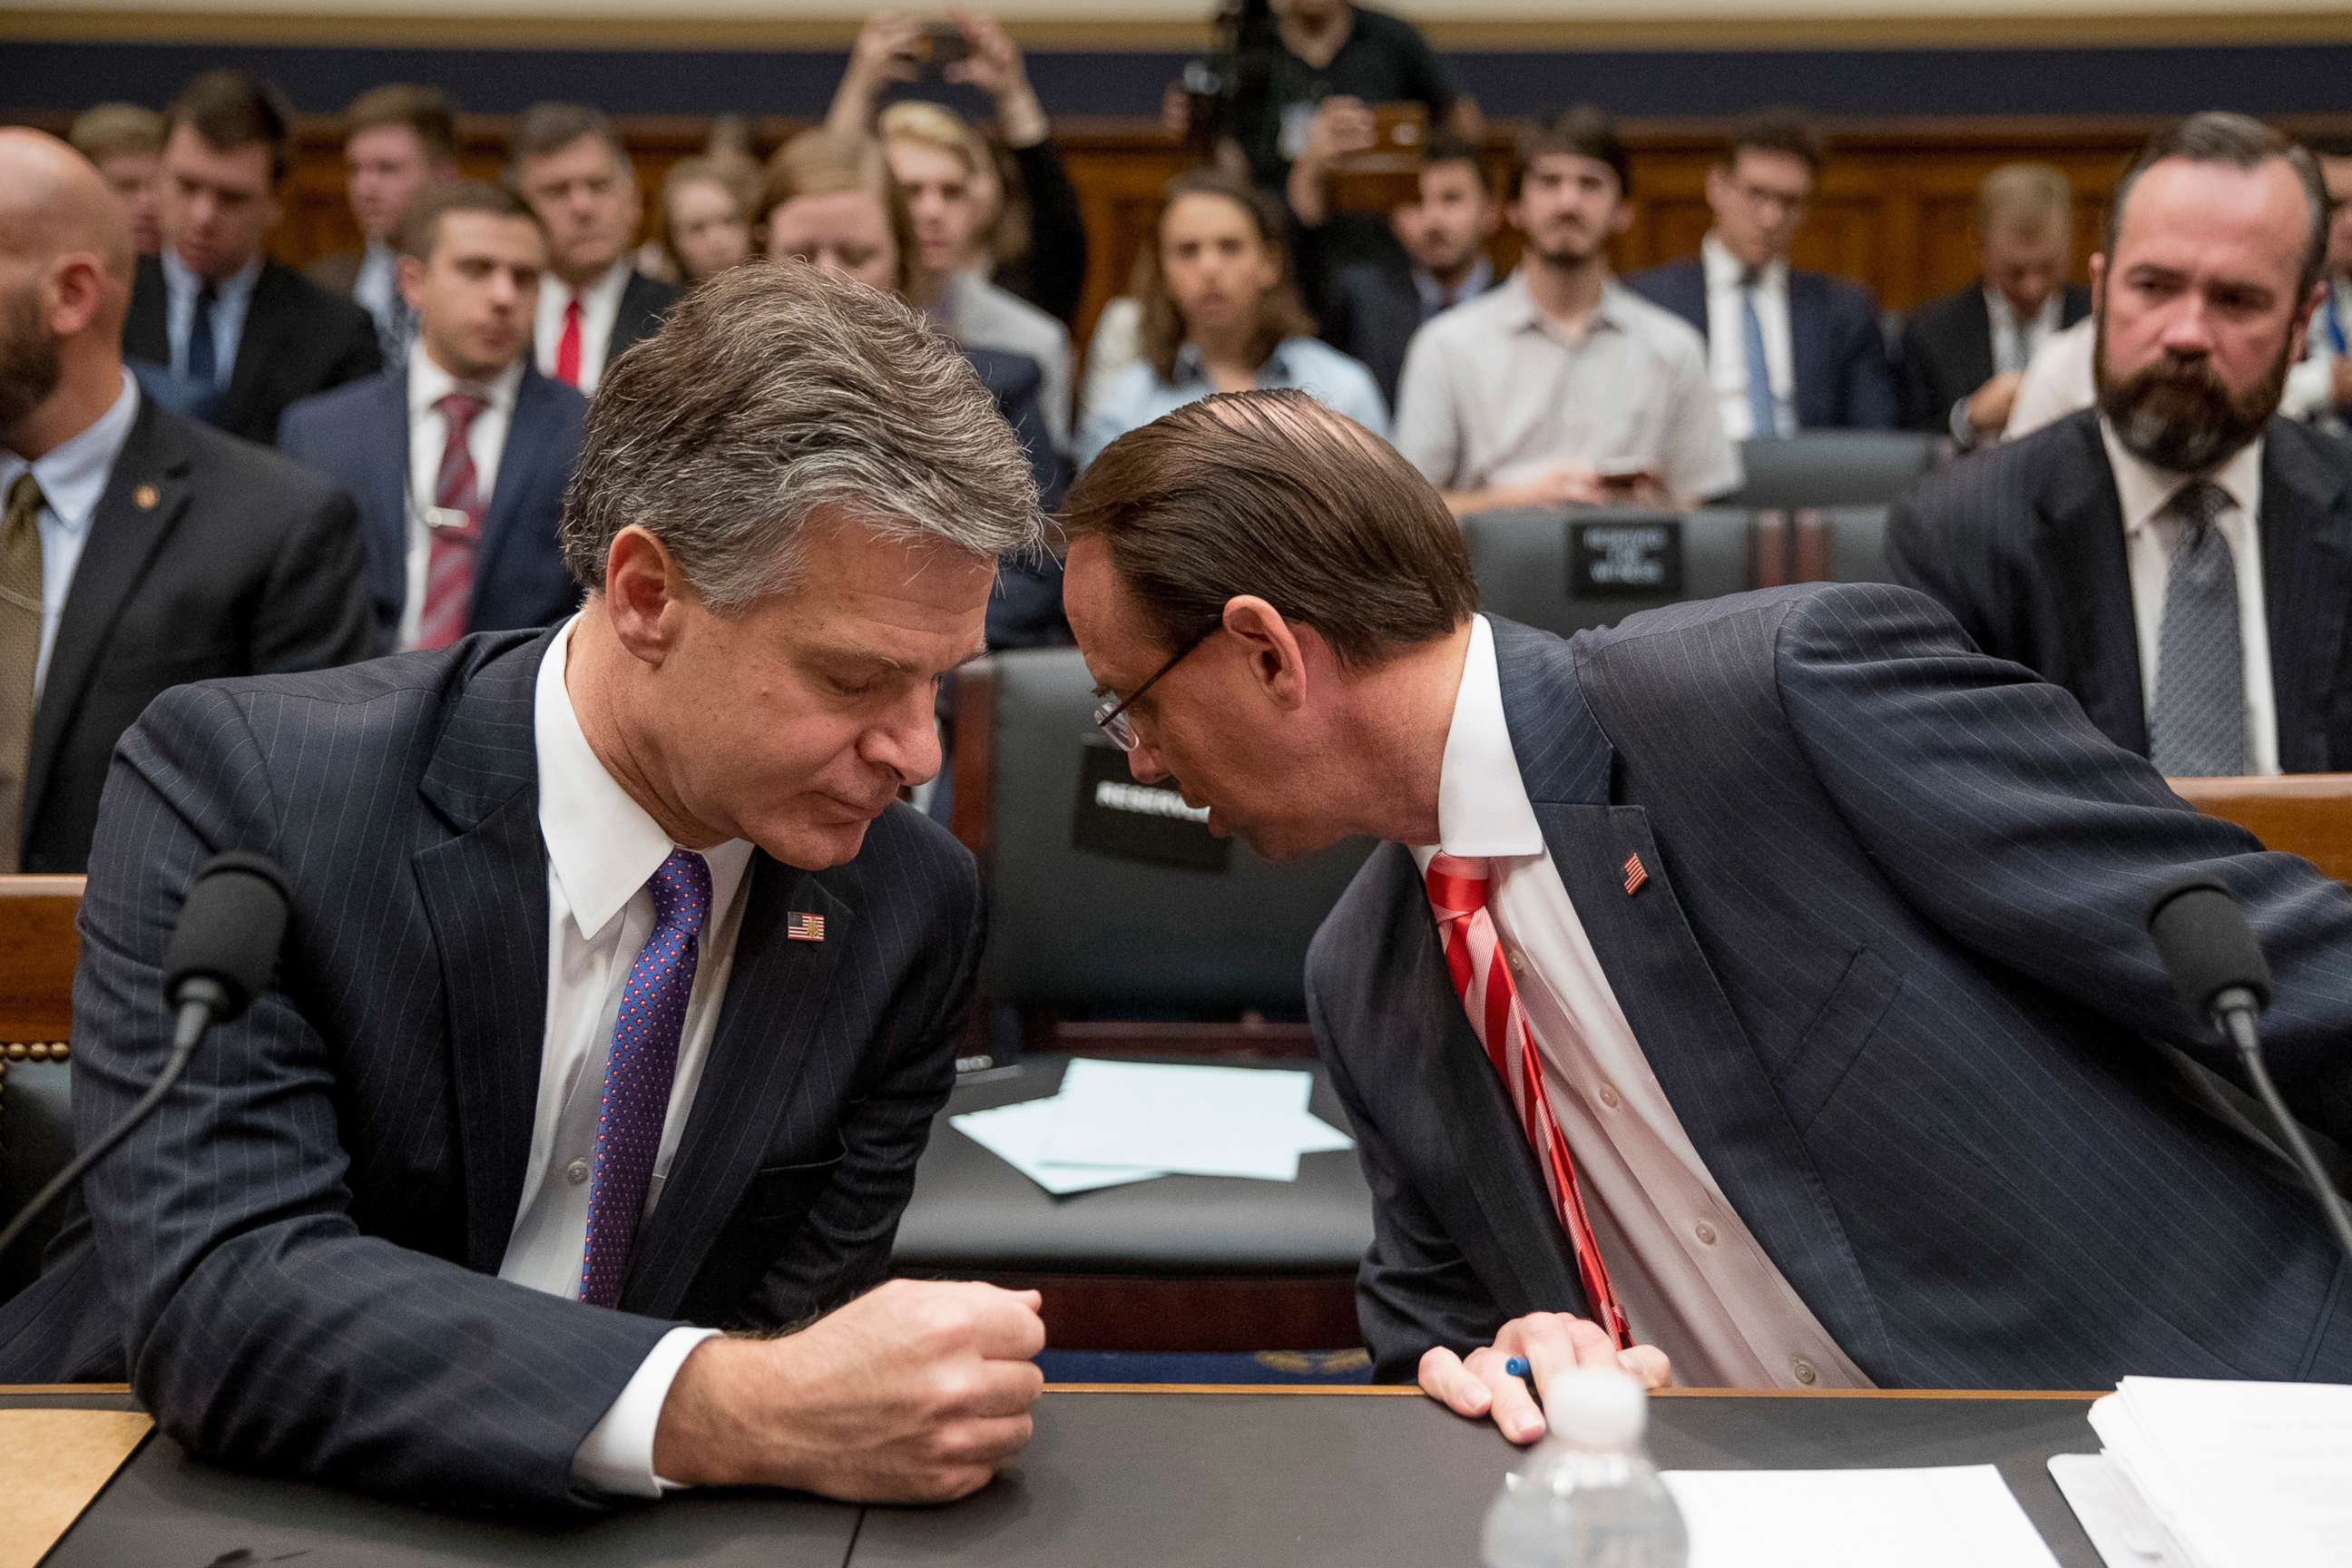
639, 1070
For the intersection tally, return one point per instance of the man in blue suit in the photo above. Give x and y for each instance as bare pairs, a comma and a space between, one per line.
619, 991
1761, 981
458, 457
1788, 351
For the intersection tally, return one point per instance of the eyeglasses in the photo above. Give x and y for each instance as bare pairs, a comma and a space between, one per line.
1112, 716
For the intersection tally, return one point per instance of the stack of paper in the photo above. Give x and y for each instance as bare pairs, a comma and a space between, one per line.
1958, 1517
1115, 1123
2218, 1475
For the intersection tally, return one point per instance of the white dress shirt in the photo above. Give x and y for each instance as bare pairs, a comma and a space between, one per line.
602, 850
2149, 535
72, 476
1727, 339
232, 298
377, 284
600, 308
428, 435
2310, 391
1692, 1279
2058, 380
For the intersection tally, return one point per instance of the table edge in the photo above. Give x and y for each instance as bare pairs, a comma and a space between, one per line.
1407, 1390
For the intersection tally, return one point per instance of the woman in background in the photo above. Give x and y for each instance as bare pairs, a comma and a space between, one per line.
702, 224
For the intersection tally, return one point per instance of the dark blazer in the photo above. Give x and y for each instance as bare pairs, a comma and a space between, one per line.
2024, 545
295, 1262
1947, 351
1025, 610
644, 302
1837, 351
338, 273
358, 436
1371, 313
1889, 968
207, 556
298, 339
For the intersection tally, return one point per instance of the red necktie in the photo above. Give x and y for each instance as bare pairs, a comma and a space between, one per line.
449, 557
1482, 977
567, 347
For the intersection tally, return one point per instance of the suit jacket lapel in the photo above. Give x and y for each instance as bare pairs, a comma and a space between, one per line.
769, 1026
143, 498
146, 330
1972, 345
2306, 546
2082, 548
485, 892
529, 448
257, 344
386, 516
1812, 391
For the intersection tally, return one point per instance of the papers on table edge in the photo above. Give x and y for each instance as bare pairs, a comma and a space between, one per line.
1956, 1516
1112, 1123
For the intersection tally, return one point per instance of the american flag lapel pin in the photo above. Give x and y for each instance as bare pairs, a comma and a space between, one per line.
802, 927
1636, 875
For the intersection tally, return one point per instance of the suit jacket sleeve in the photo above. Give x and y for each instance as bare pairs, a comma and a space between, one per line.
843, 1247
1915, 384
1414, 1288
1989, 801
1925, 545
1869, 379
315, 613
358, 355
1056, 262
260, 1327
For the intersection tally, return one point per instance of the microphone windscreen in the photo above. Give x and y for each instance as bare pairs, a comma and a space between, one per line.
2207, 946
230, 929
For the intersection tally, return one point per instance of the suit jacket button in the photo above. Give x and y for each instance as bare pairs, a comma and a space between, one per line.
576, 1172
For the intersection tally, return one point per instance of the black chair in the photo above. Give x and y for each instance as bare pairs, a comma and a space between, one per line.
1567, 570
1857, 543
37, 934
1833, 467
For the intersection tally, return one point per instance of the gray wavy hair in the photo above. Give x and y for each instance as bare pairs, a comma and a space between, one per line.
774, 391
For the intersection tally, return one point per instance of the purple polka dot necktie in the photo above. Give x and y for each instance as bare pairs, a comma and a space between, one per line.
637, 1074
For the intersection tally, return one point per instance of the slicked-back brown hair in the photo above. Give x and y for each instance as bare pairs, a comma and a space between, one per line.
426, 110
422, 232
1783, 130
231, 109
1273, 494
549, 128
2238, 141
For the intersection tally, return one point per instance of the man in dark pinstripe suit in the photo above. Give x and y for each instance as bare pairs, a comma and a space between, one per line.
619, 994
1803, 944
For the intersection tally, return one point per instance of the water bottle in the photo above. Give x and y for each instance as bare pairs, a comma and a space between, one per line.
1588, 1497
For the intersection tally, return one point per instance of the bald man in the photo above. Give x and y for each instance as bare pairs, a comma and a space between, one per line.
138, 550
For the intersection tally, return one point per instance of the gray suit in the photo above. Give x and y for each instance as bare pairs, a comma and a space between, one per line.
292, 1261
1888, 967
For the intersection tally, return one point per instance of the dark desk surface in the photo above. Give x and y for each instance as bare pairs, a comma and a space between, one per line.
1167, 1479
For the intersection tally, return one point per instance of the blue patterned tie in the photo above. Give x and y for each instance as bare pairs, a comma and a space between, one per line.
2197, 727
203, 358
1763, 409
638, 1073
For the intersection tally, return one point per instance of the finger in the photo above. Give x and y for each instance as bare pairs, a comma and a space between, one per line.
1555, 1344
1444, 1379
1003, 1388
1647, 1365
1007, 1326
989, 1441
1516, 1414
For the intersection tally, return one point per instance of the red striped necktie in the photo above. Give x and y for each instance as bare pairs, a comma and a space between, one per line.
567, 347
451, 553
1482, 977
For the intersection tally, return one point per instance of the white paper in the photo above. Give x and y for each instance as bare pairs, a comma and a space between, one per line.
1200, 1121
1016, 1135
1962, 1517
2242, 1475
2112, 1512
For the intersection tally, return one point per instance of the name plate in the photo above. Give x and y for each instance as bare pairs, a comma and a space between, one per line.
1634, 559
1132, 821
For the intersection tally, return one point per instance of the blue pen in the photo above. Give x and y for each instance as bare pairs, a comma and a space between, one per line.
1515, 1367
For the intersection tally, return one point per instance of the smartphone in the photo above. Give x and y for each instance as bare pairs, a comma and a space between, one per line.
1626, 476
943, 45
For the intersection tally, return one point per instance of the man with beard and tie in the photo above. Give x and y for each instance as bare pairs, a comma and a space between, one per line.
2179, 557
1529, 394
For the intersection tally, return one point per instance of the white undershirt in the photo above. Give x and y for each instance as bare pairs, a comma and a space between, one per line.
1691, 1278
600, 308
602, 850
2149, 535
428, 434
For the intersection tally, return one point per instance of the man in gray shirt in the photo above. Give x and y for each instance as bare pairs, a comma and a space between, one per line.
1561, 387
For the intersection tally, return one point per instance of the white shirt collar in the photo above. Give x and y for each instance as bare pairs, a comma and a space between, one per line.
2143, 489
73, 474
1724, 270
602, 295
1482, 803
237, 285
2046, 320
428, 384
602, 845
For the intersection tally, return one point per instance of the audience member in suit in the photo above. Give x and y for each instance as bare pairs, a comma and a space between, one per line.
399, 140
1221, 311
1788, 351
125, 141
568, 162
1810, 1077
1964, 356
247, 335
619, 991
938, 160
2319, 388
459, 457
2180, 558
1029, 235
137, 550
1376, 306
1530, 396
832, 202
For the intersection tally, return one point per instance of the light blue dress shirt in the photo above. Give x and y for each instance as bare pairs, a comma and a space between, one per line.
1138, 396
232, 296
72, 478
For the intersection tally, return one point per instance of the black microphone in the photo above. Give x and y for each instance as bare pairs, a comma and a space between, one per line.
221, 952
2217, 966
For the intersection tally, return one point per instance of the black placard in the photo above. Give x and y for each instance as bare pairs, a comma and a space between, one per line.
1639, 558
1115, 816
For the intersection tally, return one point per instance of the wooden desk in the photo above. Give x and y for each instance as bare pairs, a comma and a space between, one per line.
1169, 1476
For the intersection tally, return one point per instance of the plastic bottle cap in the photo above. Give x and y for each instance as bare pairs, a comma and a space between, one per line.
1597, 1409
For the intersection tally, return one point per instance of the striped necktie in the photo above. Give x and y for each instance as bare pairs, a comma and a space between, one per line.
2197, 726
455, 543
